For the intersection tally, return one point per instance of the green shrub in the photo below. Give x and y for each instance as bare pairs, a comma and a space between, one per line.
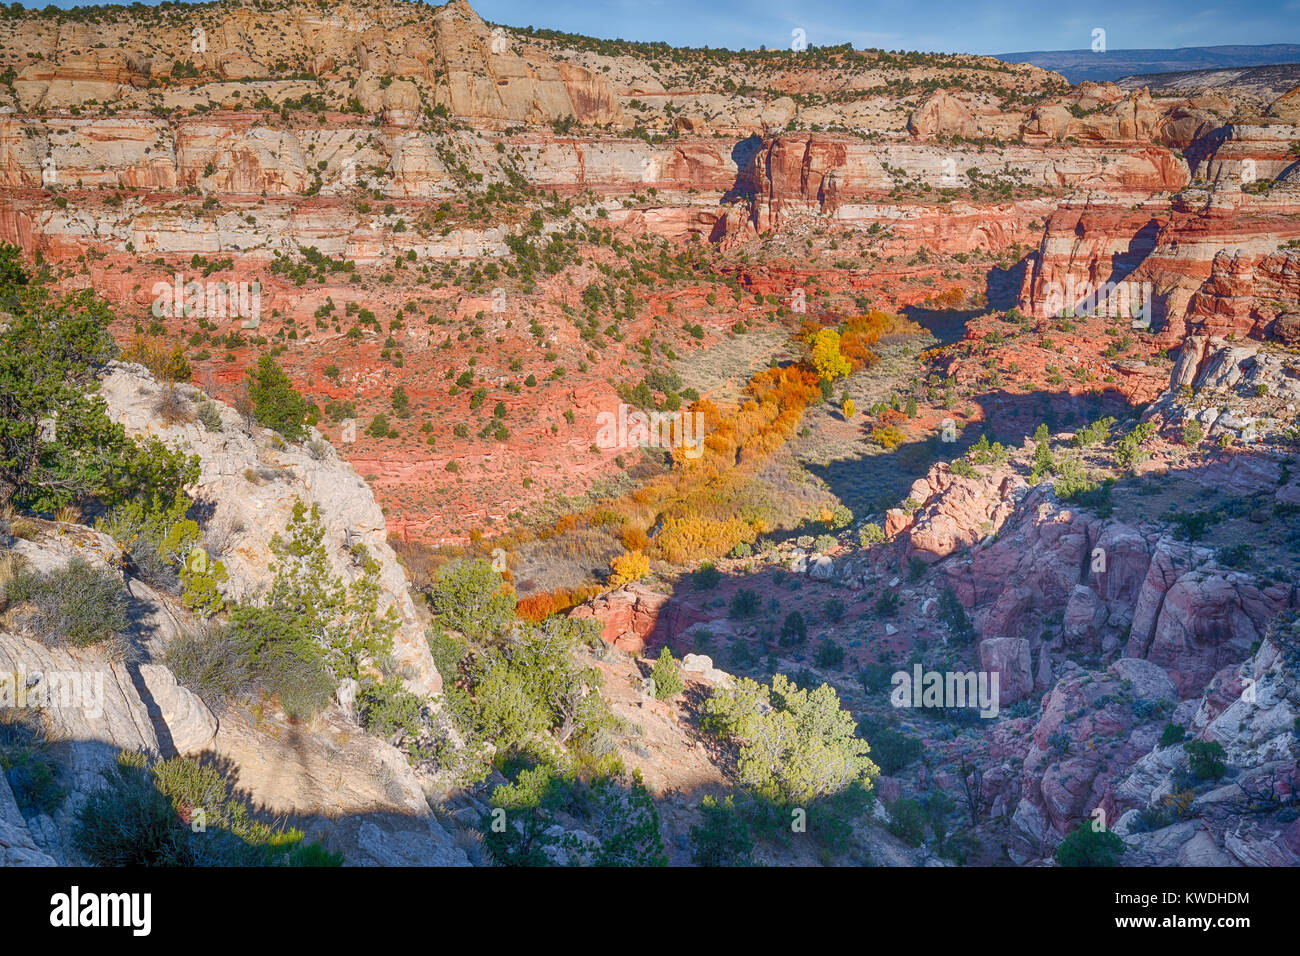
538, 688
1085, 846
871, 535
1128, 450
156, 536
180, 812
50, 350
214, 663
794, 745
875, 678
470, 597
953, 614
793, 629
985, 453
386, 708
890, 748
276, 404
1205, 759
744, 604
1044, 460
829, 654
706, 577
667, 676
26, 760
617, 808
201, 577
309, 631
1172, 734
129, 822
1095, 434
78, 603
208, 414
962, 468
722, 838
907, 821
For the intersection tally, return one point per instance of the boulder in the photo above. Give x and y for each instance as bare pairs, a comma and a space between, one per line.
185, 719
627, 615
1010, 658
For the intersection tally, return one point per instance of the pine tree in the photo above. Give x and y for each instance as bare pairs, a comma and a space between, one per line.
276, 403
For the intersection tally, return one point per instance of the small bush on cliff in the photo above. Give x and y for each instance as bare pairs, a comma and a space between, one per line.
829, 654
953, 614
276, 403
1129, 451
722, 839
1085, 846
1095, 434
1044, 461
907, 821
78, 603
468, 596
1205, 759
706, 577
157, 536
386, 708
871, 535
310, 630
794, 630
890, 748
1172, 734
525, 829
212, 662
25, 760
744, 604
794, 745
539, 688
667, 676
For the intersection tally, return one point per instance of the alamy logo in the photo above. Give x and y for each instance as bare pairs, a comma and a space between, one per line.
53, 690
208, 300
632, 428
949, 689
73, 909
1129, 300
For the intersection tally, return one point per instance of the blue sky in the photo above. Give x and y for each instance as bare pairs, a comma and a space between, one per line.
970, 26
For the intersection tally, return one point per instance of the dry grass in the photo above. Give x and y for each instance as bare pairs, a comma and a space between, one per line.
9, 565
24, 528
68, 514
221, 533
173, 407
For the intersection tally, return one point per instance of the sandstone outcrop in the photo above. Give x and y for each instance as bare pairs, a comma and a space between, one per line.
628, 616
251, 482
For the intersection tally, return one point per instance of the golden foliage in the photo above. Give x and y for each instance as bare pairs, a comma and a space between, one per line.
167, 363
628, 567
826, 357
635, 538
860, 332
888, 437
